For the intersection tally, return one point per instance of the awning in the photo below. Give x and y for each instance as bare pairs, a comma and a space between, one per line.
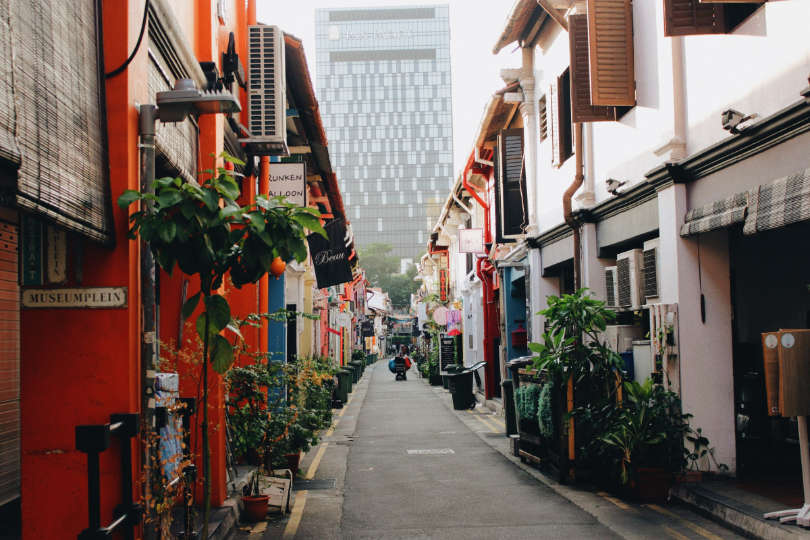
716, 215
779, 203
769, 206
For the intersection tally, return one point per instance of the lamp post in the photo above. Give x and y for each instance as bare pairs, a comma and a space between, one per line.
172, 106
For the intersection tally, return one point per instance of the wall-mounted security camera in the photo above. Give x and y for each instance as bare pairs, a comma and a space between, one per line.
732, 120
613, 185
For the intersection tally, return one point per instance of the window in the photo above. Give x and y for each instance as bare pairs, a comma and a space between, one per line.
543, 119
691, 17
561, 132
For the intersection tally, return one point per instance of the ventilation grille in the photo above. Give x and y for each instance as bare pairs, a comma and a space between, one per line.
625, 294
610, 287
650, 273
266, 83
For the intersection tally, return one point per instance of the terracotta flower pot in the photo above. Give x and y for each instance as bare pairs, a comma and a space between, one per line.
652, 484
255, 507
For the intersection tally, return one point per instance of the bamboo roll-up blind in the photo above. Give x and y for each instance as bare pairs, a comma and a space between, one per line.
175, 143
59, 109
9, 152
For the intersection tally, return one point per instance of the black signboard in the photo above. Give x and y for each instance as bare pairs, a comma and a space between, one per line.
330, 257
447, 352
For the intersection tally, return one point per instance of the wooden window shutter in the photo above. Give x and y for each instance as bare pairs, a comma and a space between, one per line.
554, 108
581, 108
690, 17
610, 37
543, 113
510, 186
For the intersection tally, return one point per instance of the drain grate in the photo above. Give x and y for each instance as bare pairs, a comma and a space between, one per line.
310, 485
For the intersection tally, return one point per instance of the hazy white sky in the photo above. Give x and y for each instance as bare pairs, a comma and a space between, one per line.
475, 25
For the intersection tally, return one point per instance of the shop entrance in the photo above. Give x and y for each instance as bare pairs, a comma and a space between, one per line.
769, 286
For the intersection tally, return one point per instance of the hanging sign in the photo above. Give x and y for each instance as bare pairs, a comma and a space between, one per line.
84, 297
330, 257
443, 285
471, 241
289, 180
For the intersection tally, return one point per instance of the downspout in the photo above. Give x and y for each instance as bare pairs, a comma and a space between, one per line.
149, 329
569, 193
474, 193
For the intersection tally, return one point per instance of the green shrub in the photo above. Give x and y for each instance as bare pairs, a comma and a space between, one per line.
526, 400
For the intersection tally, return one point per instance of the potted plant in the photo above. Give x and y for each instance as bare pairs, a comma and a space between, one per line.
700, 453
254, 501
647, 438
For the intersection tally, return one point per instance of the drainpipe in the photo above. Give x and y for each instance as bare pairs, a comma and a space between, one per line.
149, 329
474, 193
569, 193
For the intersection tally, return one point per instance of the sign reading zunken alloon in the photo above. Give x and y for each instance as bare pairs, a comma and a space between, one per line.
330, 257
84, 297
289, 180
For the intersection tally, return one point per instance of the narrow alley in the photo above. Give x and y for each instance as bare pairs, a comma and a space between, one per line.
399, 462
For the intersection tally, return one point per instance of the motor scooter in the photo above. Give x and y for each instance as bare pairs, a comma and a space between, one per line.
399, 366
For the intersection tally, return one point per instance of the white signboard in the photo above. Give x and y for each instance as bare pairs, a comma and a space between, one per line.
471, 241
344, 319
289, 180
84, 297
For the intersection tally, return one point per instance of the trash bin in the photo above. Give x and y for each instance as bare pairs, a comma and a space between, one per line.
351, 366
344, 386
448, 370
370, 359
460, 383
358, 368
508, 394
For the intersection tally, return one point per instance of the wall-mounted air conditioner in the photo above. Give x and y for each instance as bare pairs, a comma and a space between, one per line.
652, 269
267, 92
629, 270
611, 287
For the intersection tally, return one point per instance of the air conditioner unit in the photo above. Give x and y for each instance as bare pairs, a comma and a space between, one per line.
629, 270
611, 287
620, 337
267, 92
651, 271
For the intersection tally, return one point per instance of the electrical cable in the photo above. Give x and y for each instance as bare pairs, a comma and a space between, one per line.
120, 69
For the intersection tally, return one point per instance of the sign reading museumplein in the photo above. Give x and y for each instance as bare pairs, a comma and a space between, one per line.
83, 297
330, 257
289, 180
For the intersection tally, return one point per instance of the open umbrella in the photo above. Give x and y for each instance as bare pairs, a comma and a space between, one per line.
454, 332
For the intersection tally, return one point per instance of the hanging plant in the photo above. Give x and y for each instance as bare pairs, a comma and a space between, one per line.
201, 229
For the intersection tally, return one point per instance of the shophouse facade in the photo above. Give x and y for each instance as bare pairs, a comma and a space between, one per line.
687, 170
81, 340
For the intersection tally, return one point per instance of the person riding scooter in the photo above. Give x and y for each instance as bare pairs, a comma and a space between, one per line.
401, 365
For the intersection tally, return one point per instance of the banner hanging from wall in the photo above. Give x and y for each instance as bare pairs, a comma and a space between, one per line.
330, 257
289, 180
443, 285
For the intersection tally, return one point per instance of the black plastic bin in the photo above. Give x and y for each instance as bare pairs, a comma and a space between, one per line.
344, 386
448, 370
460, 384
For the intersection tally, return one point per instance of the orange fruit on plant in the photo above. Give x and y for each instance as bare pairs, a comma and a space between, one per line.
277, 267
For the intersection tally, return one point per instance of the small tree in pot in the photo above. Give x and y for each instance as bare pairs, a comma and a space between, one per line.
202, 229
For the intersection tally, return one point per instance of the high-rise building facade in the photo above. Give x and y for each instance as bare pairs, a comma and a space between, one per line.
383, 83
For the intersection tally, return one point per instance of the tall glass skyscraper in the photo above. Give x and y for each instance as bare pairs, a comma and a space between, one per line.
383, 83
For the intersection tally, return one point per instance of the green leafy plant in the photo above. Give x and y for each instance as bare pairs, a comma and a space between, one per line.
545, 411
201, 228
526, 400
700, 451
648, 431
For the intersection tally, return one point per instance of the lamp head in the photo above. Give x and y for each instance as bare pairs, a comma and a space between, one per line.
185, 99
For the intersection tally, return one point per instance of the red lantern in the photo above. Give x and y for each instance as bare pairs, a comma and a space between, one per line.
277, 267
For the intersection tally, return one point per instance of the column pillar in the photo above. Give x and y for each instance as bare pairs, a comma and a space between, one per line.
689, 266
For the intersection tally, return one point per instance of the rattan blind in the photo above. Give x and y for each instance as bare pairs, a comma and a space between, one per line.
60, 127
9, 152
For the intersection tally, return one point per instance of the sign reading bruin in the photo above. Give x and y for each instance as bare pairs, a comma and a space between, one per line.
330, 257
289, 180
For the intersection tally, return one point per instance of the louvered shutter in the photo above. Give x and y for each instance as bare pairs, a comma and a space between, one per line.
60, 115
690, 17
581, 108
610, 36
543, 114
554, 111
9, 365
510, 186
